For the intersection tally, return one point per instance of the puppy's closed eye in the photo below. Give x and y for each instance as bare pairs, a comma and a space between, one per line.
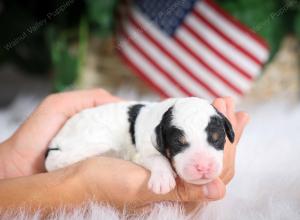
182, 140
215, 136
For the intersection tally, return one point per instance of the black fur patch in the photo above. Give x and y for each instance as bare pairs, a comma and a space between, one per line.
49, 149
170, 139
227, 126
216, 133
133, 112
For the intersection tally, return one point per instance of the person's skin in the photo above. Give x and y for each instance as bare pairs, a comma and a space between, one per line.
101, 179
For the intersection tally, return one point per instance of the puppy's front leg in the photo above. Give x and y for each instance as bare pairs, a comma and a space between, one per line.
162, 179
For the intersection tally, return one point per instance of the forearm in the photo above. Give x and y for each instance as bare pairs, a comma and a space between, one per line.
46, 191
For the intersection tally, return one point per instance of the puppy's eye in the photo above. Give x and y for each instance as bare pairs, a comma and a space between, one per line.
182, 140
215, 136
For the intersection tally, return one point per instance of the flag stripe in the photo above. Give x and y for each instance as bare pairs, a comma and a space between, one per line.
166, 65
142, 52
212, 61
223, 35
222, 45
238, 24
146, 71
217, 53
164, 50
210, 69
140, 73
227, 27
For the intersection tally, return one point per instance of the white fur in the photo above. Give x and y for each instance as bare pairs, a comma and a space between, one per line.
105, 129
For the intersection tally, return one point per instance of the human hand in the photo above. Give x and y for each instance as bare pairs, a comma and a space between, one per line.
24, 153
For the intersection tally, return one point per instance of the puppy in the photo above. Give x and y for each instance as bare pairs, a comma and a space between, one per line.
178, 136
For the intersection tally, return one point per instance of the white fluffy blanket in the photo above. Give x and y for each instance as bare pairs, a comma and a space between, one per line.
266, 184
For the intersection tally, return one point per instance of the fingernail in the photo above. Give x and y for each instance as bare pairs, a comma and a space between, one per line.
211, 191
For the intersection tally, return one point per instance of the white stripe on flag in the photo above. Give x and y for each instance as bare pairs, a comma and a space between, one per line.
148, 69
233, 32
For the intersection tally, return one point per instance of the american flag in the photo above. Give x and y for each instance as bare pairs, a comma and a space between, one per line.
190, 48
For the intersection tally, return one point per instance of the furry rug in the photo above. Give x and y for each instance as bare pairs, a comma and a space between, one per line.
266, 184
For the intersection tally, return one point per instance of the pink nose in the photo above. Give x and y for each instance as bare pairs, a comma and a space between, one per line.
203, 168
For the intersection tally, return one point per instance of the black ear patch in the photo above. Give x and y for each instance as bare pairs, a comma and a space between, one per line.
170, 139
133, 112
228, 127
229, 130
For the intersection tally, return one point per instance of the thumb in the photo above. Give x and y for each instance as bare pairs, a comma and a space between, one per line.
186, 192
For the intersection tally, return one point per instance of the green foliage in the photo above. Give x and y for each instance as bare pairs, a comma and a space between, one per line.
296, 23
68, 51
101, 15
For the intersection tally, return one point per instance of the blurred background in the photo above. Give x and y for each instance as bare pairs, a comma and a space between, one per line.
58, 45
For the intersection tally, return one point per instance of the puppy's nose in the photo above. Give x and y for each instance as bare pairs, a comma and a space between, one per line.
206, 169
203, 168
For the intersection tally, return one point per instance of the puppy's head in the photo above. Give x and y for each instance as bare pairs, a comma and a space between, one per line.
192, 135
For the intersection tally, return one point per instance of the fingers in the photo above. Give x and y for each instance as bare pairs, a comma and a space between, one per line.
69, 103
219, 103
230, 109
242, 120
185, 192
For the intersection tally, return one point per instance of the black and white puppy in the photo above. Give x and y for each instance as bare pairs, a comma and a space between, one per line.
185, 135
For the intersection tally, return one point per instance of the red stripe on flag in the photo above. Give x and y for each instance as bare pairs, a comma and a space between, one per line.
198, 15
209, 68
156, 65
139, 73
179, 64
238, 24
210, 47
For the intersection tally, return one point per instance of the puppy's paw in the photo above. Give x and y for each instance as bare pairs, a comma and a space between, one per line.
161, 182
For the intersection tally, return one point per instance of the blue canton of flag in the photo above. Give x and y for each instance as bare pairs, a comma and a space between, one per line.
166, 14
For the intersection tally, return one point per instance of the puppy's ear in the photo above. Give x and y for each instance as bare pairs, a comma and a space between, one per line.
158, 137
228, 128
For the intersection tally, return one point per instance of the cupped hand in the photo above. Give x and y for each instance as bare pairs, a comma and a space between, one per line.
24, 153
